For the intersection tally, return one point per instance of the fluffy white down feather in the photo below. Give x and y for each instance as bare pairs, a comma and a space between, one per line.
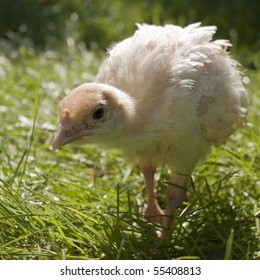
174, 92
187, 91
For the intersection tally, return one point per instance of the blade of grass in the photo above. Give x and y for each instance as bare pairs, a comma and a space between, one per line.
21, 167
229, 245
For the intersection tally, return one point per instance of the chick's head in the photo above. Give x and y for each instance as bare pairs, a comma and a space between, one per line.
92, 112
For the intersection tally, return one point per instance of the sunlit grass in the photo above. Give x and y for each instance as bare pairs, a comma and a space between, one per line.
86, 202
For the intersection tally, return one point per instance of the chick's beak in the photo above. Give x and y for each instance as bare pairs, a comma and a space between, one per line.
66, 135
61, 137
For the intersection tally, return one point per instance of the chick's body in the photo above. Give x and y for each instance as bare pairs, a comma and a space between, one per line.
169, 94
187, 92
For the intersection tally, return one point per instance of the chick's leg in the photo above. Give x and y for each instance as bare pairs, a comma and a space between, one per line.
176, 191
153, 211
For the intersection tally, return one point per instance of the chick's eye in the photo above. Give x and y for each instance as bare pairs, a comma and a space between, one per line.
98, 114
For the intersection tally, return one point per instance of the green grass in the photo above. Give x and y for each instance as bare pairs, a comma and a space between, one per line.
86, 202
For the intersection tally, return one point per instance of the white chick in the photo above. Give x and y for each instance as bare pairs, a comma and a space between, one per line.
163, 96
